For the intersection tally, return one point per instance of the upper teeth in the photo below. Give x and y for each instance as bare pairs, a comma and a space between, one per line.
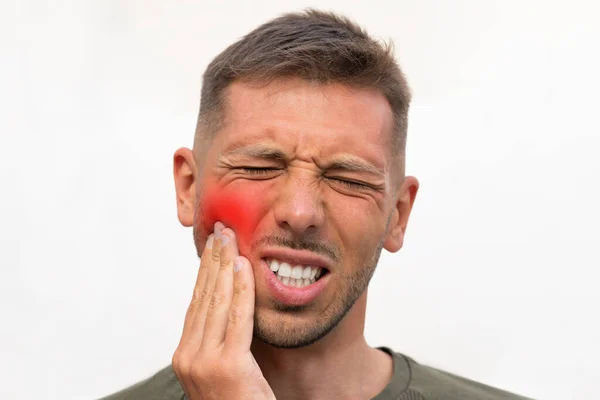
297, 275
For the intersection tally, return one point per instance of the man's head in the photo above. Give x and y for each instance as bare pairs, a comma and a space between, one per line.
321, 48
300, 149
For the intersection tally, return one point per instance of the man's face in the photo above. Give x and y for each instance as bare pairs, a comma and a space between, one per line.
305, 175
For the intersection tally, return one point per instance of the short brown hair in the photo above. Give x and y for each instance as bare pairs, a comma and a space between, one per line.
314, 45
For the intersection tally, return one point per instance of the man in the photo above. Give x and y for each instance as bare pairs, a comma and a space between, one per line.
293, 187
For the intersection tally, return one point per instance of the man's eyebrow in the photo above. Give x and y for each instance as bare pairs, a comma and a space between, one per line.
353, 164
343, 163
257, 151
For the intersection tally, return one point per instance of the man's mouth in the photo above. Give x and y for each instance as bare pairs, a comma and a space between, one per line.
295, 275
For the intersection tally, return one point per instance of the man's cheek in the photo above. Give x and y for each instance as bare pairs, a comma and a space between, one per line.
239, 210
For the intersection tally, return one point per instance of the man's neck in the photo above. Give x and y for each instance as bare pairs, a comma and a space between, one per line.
340, 366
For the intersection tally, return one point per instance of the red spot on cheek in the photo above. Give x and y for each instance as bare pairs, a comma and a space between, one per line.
239, 211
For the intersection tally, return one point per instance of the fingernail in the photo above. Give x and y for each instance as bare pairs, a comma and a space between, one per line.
217, 232
209, 241
238, 264
224, 240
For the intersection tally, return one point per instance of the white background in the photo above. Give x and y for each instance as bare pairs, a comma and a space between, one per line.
499, 275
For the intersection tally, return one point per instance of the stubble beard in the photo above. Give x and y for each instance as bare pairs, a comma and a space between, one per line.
283, 332
278, 332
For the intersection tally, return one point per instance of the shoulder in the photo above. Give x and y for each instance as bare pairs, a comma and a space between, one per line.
161, 386
432, 383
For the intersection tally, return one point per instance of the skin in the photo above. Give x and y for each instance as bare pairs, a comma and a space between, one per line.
331, 183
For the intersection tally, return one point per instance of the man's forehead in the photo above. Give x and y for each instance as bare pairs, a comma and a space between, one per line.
291, 90
323, 112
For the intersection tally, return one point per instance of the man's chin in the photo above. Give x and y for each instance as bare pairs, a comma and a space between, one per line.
286, 340
285, 330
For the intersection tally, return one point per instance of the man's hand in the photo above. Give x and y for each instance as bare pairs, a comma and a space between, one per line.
213, 359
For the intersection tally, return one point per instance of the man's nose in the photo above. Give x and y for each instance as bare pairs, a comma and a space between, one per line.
299, 207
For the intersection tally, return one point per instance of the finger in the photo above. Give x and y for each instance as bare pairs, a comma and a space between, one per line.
198, 287
210, 261
238, 337
220, 302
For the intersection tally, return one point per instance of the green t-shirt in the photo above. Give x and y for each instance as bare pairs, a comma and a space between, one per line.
410, 381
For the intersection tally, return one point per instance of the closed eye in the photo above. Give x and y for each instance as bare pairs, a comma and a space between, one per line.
258, 170
351, 184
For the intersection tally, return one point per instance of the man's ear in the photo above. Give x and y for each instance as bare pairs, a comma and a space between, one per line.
184, 172
405, 198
